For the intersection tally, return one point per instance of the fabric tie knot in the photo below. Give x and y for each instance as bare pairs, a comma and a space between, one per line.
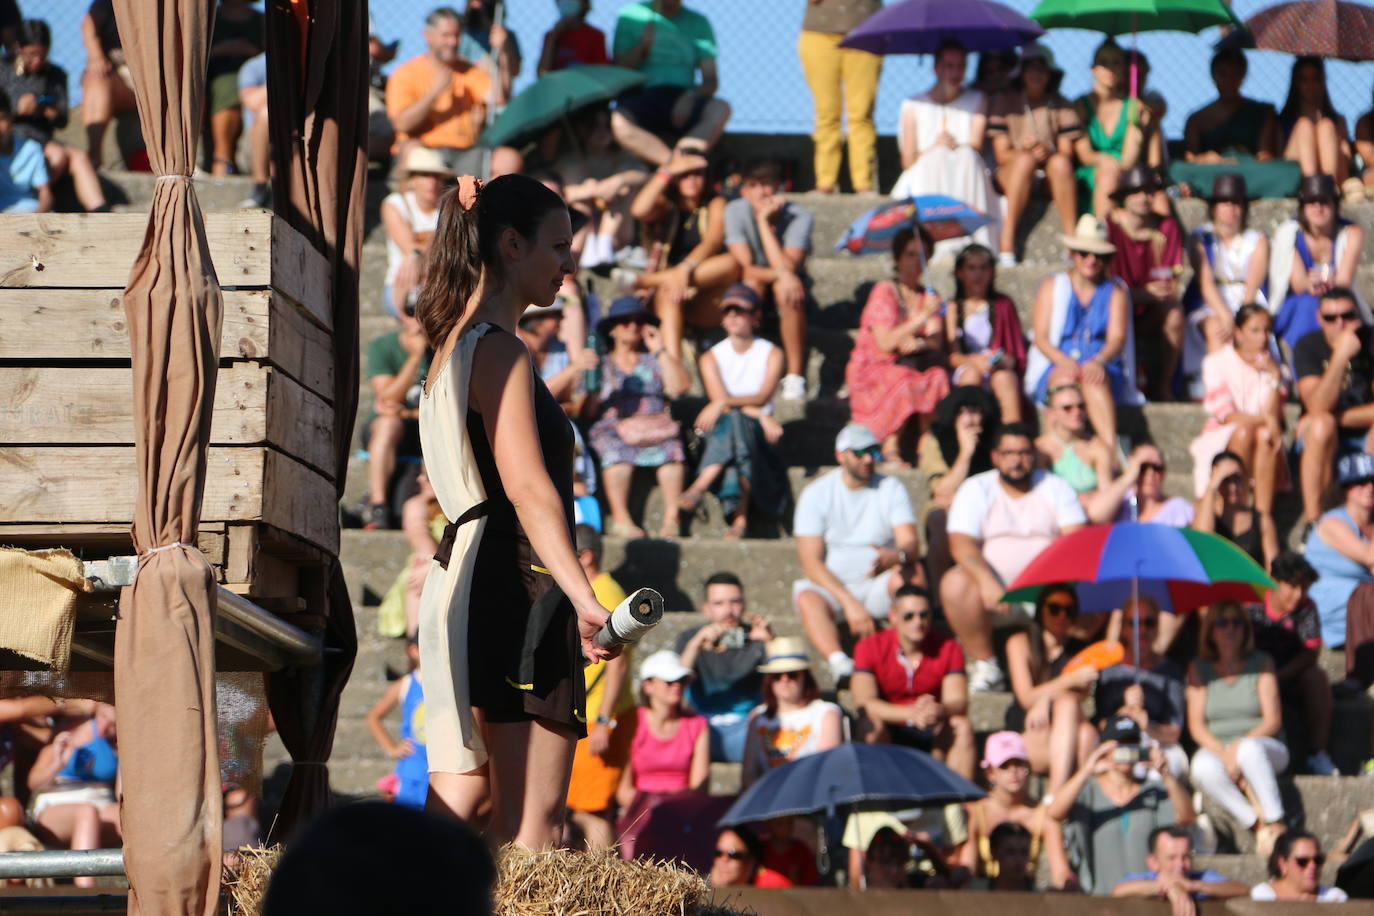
469, 189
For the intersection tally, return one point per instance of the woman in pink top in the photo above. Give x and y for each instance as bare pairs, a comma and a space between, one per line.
670, 752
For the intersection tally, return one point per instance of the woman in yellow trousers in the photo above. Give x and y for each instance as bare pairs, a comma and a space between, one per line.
842, 82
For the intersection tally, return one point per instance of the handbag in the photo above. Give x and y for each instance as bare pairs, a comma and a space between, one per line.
646, 429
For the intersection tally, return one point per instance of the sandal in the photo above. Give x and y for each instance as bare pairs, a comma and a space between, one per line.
738, 529
624, 529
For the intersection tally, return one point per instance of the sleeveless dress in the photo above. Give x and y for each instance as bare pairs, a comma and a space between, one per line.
1080, 330
412, 772
1230, 263
1112, 144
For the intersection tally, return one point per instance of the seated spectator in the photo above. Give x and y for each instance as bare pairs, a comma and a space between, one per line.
986, 344
24, 186
1115, 812
770, 239
37, 89
632, 427
397, 363
689, 268
1068, 448
409, 217
539, 328
572, 42
1081, 325
787, 855
886, 861
999, 521
601, 757
600, 180
1170, 874
1339, 548
739, 861
1010, 848
843, 84
578, 304
1230, 269
1288, 629
1151, 503
1006, 771
73, 805
1033, 130
909, 685
671, 750
1225, 509
1152, 694
253, 100
107, 89
1235, 717
994, 73
1295, 869
240, 33
857, 541
380, 134
1245, 394
1105, 153
1311, 131
955, 446
1335, 373
1049, 702
668, 43
1313, 254
940, 136
897, 371
740, 462
412, 759
1149, 261
724, 655
1364, 146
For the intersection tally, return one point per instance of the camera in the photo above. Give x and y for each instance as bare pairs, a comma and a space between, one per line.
733, 638
1130, 753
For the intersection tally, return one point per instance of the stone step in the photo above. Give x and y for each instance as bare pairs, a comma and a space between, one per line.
1324, 805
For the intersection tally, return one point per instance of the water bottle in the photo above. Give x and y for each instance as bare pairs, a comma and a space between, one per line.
591, 378
1133, 505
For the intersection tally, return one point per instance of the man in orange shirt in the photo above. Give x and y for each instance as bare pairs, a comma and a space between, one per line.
439, 99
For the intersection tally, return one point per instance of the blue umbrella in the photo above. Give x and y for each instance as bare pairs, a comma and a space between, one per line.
921, 26
851, 776
943, 217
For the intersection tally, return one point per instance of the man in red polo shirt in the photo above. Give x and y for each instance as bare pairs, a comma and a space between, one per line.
909, 685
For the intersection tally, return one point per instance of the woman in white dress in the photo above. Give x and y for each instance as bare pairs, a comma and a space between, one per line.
941, 138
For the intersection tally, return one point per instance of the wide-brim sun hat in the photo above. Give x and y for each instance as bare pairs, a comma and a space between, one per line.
1089, 235
784, 654
421, 160
622, 308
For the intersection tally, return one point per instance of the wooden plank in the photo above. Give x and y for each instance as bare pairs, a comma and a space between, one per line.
251, 249
300, 347
254, 405
95, 485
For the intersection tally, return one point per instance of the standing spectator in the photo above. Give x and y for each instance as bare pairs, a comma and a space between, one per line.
1048, 712
1149, 260
897, 370
1288, 629
1295, 867
1313, 254
107, 89
1245, 394
856, 537
24, 186
840, 79
1133, 138
1235, 717
1170, 874
410, 216
999, 521
684, 222
1340, 547
986, 344
668, 43
1033, 132
1225, 509
1081, 329
412, 761
397, 363
572, 42
239, 34
380, 133
632, 426
724, 655
941, 140
1312, 133
1152, 694
1335, 371
770, 238
253, 100
738, 861
740, 461
955, 446
1113, 812
793, 721
37, 89
909, 685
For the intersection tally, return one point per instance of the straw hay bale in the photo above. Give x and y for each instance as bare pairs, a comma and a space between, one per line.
246, 874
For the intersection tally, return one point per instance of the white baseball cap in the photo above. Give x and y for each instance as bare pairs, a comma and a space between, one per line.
664, 665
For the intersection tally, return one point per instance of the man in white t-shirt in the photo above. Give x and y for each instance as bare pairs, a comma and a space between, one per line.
856, 535
999, 521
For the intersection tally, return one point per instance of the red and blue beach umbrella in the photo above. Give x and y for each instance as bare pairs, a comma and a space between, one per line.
942, 216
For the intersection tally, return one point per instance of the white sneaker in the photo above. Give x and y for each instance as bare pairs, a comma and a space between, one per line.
623, 280
985, 676
1320, 764
793, 388
841, 666
1006, 259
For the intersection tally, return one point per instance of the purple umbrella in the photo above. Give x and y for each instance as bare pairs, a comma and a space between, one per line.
921, 26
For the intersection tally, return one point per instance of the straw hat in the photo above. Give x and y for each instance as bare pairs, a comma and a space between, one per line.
422, 160
783, 654
1089, 235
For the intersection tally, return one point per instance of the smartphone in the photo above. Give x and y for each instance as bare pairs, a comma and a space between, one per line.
1130, 753
996, 356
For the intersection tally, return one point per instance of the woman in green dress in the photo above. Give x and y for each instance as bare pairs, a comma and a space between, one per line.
1118, 131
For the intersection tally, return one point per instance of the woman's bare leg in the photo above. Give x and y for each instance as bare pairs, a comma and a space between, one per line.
532, 763
1302, 146
615, 482
1331, 154
225, 127
1008, 394
1101, 412
1065, 716
1016, 180
1063, 189
1105, 180
458, 795
670, 477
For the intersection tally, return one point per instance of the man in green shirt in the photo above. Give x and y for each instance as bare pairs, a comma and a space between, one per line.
668, 43
397, 363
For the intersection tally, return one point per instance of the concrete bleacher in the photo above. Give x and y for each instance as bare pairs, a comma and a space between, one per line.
372, 559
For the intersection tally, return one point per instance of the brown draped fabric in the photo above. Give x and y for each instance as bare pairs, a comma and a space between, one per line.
165, 643
317, 115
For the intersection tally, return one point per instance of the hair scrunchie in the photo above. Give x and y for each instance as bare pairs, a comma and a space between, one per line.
469, 188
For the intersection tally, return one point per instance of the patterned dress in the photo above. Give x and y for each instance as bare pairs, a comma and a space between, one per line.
886, 389
624, 394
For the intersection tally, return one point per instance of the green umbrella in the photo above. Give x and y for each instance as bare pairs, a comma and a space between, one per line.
1120, 17
556, 95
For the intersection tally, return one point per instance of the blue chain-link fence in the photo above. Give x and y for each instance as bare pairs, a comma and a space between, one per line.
762, 80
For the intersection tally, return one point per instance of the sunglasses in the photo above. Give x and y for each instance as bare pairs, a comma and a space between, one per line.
788, 675
1331, 318
1055, 608
1146, 623
1229, 622
734, 855
1091, 254
910, 615
736, 309
637, 319
1069, 408
872, 451
1151, 466
1303, 861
